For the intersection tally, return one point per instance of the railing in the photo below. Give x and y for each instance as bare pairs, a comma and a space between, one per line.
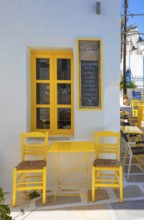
138, 80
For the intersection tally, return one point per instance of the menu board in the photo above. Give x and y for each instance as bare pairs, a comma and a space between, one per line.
89, 74
89, 84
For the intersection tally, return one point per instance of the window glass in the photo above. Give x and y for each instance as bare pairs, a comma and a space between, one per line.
42, 68
43, 93
43, 118
64, 118
64, 94
63, 69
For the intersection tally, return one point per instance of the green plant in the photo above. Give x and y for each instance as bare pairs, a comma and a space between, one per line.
131, 85
5, 212
4, 209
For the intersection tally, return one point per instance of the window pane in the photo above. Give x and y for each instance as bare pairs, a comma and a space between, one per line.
64, 94
43, 118
42, 68
64, 118
43, 93
63, 69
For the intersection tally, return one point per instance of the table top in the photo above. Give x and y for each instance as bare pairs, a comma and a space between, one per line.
56, 147
124, 112
131, 130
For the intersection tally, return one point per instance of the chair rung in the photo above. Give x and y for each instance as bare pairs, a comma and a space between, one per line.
33, 177
40, 145
28, 188
107, 185
28, 183
107, 180
29, 177
30, 171
106, 168
107, 174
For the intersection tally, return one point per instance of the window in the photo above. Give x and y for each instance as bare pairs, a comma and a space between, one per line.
52, 91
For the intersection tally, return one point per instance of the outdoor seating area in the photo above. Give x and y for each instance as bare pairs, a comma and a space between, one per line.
117, 171
73, 96
117, 182
106, 204
132, 135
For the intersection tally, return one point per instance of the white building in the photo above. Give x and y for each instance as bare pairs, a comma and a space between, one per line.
135, 58
52, 28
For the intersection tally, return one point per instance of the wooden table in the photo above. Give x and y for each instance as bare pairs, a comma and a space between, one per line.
71, 147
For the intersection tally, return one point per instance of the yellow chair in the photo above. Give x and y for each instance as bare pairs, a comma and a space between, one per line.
137, 120
107, 172
134, 105
30, 174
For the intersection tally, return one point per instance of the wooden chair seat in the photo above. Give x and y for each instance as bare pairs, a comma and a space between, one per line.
30, 165
106, 163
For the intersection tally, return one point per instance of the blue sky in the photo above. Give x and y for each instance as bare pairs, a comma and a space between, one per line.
136, 7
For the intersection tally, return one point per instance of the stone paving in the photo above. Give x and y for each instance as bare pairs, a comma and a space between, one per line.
107, 206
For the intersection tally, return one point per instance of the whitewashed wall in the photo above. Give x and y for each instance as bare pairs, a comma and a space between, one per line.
136, 64
27, 24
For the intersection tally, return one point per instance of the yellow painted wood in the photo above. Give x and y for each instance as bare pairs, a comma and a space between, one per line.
32, 178
100, 174
52, 55
134, 105
71, 147
14, 188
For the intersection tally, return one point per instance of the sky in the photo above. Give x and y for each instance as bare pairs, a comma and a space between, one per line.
136, 7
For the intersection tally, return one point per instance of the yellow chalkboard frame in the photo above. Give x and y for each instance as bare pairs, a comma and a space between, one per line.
85, 41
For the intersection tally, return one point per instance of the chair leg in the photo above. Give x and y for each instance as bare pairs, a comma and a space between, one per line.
93, 183
97, 176
14, 188
121, 183
44, 187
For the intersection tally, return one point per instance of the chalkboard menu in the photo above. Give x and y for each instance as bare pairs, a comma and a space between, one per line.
89, 74
89, 84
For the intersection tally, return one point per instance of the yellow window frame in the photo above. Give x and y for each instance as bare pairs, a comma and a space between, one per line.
52, 55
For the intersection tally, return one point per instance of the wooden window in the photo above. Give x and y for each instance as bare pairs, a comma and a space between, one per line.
52, 91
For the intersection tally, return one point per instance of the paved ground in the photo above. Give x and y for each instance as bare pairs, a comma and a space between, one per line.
107, 206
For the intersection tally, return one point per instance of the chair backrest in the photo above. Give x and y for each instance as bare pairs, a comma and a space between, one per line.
140, 114
134, 105
107, 142
34, 143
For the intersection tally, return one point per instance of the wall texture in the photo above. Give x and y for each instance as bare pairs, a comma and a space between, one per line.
52, 24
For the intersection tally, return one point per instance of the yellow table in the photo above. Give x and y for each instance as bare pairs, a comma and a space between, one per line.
131, 130
71, 147
124, 113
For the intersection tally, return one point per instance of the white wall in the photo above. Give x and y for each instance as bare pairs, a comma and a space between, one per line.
136, 64
53, 24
